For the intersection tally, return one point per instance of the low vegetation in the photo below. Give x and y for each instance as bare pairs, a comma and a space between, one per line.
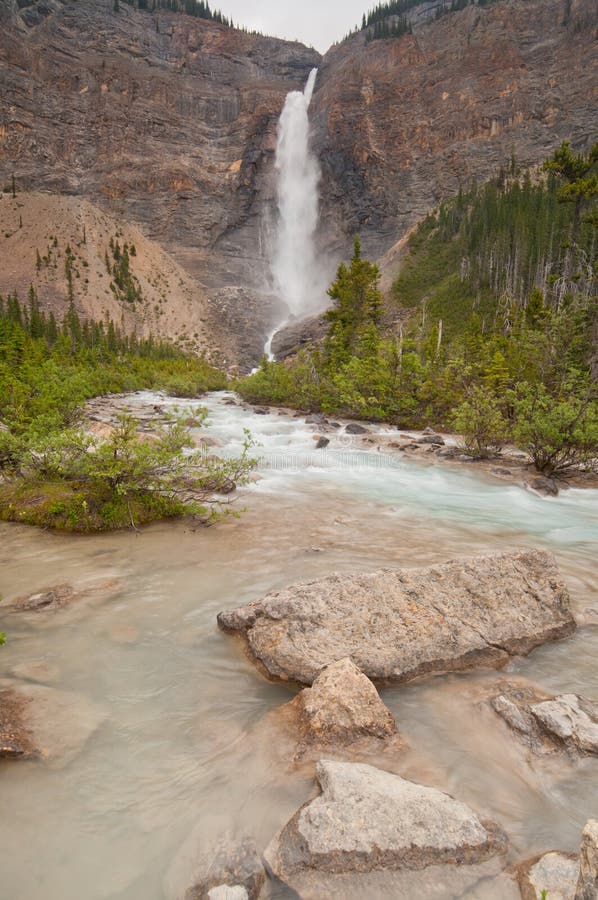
493, 326
52, 472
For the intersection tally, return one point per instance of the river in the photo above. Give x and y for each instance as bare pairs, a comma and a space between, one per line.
178, 696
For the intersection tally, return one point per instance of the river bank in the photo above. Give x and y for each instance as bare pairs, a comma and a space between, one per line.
174, 751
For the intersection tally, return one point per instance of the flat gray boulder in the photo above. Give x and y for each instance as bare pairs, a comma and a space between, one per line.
400, 624
367, 820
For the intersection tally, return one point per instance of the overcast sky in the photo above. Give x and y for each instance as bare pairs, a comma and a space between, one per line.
317, 23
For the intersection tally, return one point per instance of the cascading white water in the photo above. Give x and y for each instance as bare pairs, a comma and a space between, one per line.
295, 267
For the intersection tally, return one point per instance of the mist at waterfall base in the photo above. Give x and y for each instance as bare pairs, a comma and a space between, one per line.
299, 278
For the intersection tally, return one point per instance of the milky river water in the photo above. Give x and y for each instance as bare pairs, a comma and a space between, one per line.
176, 749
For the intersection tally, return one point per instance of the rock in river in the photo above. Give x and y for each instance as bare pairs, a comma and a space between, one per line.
367, 819
342, 710
567, 723
40, 722
227, 870
399, 624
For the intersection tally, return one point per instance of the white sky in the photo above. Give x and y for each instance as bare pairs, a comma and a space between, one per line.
317, 23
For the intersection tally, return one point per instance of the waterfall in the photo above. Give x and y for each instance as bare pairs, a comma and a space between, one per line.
295, 266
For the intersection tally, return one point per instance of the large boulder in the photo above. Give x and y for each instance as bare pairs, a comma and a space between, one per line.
342, 710
547, 724
368, 820
400, 624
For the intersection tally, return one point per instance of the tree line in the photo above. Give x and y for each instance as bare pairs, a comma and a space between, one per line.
491, 330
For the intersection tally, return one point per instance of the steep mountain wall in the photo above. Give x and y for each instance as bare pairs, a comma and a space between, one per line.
402, 122
168, 123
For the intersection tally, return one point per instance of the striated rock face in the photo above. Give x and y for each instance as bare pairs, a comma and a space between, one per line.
168, 123
162, 119
399, 624
366, 820
401, 123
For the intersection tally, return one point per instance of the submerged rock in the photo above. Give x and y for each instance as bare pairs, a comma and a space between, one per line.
550, 724
51, 598
40, 722
206, 873
15, 740
341, 710
322, 442
366, 820
354, 428
400, 624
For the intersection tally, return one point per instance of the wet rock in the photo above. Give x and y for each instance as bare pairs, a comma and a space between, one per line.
260, 411
556, 873
342, 709
200, 872
431, 439
59, 596
316, 419
15, 740
543, 485
400, 624
52, 598
43, 723
354, 428
448, 453
322, 442
587, 884
367, 819
501, 472
567, 723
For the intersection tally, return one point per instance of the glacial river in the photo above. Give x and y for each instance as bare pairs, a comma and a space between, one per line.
178, 698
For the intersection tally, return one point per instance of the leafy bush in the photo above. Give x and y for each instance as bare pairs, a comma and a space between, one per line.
558, 433
481, 421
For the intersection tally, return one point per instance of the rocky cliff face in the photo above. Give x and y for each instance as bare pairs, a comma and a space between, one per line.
402, 122
164, 120
169, 123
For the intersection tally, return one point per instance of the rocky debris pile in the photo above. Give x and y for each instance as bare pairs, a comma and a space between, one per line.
563, 876
400, 624
547, 724
228, 870
366, 819
342, 711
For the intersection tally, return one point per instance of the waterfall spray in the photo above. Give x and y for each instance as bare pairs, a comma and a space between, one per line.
295, 267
